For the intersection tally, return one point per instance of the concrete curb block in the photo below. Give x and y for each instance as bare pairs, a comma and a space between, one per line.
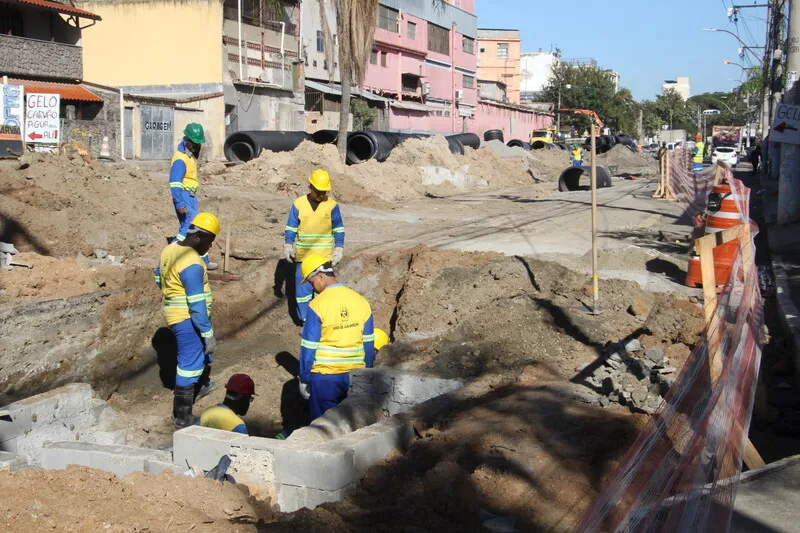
121, 460
790, 316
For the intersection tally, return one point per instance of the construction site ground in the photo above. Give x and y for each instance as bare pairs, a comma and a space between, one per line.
485, 282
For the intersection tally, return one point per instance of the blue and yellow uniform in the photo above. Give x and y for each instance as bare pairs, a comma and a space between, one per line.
697, 156
187, 302
576, 157
183, 184
222, 417
313, 228
338, 336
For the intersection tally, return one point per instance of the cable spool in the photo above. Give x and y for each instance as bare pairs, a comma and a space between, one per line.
723, 213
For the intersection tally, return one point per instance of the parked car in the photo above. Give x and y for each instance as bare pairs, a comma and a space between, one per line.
726, 154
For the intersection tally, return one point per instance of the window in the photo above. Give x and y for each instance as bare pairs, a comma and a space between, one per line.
468, 81
468, 45
383, 59
502, 50
373, 57
320, 42
387, 19
483, 50
410, 83
412, 30
438, 39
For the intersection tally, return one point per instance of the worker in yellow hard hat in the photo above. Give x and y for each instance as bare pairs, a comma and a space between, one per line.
182, 277
338, 337
183, 182
315, 226
698, 154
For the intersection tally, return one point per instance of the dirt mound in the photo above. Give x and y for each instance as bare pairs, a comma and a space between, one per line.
627, 161
81, 499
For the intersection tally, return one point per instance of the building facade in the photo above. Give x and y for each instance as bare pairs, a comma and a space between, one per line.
536, 72
499, 60
41, 49
228, 70
680, 85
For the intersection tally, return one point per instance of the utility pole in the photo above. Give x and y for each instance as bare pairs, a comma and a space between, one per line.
789, 185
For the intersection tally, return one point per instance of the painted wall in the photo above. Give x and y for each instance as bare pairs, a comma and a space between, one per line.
312, 22
537, 71
515, 123
141, 44
506, 70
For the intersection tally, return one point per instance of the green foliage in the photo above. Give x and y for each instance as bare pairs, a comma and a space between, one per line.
672, 109
363, 115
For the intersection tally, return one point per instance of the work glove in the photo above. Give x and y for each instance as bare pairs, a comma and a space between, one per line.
210, 345
338, 252
304, 390
288, 252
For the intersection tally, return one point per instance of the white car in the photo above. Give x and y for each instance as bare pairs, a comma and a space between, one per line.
726, 154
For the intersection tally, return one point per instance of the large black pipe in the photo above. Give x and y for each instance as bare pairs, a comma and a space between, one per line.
570, 178
365, 145
247, 145
467, 139
493, 135
325, 136
519, 143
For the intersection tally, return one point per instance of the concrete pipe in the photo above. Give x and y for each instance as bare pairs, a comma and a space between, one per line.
570, 179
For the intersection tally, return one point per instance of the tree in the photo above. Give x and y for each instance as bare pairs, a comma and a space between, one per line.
673, 111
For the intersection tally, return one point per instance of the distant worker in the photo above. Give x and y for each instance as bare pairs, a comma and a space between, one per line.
183, 280
576, 156
314, 226
239, 392
338, 337
183, 182
697, 154
755, 157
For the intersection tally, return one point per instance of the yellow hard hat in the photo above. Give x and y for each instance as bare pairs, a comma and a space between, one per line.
313, 263
320, 180
207, 222
381, 339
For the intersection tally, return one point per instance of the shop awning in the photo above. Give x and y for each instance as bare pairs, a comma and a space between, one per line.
336, 90
411, 106
68, 91
58, 7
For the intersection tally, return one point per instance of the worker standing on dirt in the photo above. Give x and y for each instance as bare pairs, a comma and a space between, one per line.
697, 154
576, 156
337, 337
183, 280
314, 226
183, 181
239, 392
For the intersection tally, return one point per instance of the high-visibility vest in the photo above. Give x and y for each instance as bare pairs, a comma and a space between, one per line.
577, 155
315, 232
174, 259
343, 313
698, 156
223, 418
189, 182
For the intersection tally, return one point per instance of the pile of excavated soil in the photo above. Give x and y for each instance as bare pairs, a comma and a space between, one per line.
80, 499
628, 162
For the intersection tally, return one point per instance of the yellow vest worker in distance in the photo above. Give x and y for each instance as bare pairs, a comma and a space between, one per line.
698, 154
187, 299
338, 337
239, 392
314, 227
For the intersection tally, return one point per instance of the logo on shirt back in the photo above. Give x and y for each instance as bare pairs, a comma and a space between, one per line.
345, 314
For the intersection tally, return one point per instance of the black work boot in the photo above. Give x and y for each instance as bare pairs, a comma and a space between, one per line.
182, 407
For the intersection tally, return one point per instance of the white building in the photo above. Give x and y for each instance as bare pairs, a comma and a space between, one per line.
537, 71
680, 85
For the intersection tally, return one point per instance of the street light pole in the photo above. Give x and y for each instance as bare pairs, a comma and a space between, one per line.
744, 45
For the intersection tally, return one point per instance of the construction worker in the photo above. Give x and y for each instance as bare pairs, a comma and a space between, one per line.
697, 154
337, 337
183, 280
576, 156
239, 392
183, 181
314, 226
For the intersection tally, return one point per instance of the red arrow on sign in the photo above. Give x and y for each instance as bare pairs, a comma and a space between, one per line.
34, 136
780, 128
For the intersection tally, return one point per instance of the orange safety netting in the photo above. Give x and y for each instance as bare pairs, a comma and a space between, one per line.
680, 475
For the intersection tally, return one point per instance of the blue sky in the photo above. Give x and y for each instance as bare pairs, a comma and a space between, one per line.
646, 41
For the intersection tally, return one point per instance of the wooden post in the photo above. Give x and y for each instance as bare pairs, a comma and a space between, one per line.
595, 279
705, 248
227, 250
662, 168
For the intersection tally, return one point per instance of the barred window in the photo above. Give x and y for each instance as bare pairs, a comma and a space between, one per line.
468, 45
412, 30
502, 50
468, 81
320, 42
373, 57
438, 39
387, 19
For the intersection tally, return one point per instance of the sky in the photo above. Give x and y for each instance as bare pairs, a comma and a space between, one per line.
645, 41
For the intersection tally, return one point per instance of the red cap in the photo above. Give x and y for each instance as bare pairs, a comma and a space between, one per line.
241, 383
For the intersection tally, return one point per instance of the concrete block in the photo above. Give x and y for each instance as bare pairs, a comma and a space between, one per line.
413, 389
369, 383
19, 425
110, 438
292, 498
121, 460
9, 446
371, 444
253, 465
202, 447
327, 467
67, 402
9, 461
154, 466
348, 416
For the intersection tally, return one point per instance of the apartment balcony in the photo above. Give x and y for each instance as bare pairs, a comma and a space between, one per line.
20, 56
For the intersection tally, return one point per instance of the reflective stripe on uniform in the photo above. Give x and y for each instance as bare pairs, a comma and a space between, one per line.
189, 373
290, 228
207, 334
305, 298
368, 338
309, 344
